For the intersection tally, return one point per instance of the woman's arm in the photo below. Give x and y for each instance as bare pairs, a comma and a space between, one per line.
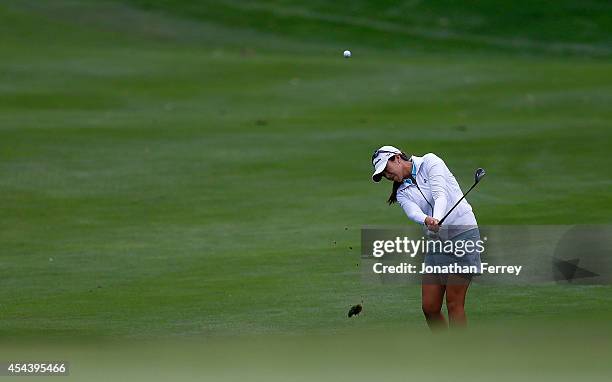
437, 177
412, 210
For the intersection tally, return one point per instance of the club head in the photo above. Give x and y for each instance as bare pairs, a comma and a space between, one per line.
479, 174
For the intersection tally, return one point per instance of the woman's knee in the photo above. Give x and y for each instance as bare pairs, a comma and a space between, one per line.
455, 306
431, 307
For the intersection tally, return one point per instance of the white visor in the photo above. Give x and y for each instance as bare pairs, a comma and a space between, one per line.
380, 158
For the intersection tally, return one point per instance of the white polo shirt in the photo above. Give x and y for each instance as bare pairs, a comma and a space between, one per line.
439, 191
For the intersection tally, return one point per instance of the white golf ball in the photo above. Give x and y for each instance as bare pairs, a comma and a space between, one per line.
347, 53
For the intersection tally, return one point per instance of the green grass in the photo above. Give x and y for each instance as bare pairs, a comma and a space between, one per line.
168, 169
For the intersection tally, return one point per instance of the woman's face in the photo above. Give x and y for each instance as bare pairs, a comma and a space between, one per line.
393, 170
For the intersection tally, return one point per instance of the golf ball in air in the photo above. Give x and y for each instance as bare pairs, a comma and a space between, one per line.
347, 53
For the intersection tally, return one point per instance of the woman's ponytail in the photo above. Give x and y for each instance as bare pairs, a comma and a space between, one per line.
393, 197
396, 185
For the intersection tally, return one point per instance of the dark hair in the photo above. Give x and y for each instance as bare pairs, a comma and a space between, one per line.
396, 185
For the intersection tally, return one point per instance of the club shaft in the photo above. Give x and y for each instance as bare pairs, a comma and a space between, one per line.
456, 204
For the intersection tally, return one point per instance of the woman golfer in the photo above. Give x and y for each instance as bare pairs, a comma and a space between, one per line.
426, 189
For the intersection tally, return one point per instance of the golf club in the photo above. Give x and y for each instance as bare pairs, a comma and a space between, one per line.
478, 175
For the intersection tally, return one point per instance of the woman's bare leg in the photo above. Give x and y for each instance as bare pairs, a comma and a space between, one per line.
432, 296
456, 289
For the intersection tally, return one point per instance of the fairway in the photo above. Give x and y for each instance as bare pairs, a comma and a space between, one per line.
173, 170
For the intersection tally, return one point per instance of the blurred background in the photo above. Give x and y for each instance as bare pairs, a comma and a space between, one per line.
199, 171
